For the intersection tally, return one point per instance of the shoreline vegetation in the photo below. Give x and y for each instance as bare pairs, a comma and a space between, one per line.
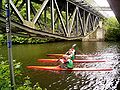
27, 40
22, 82
112, 28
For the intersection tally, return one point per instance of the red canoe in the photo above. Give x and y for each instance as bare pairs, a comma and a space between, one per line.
57, 68
55, 55
75, 61
78, 55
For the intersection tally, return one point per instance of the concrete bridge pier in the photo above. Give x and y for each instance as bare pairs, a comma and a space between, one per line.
96, 35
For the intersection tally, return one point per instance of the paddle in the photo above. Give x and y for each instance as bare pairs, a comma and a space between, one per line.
67, 53
60, 60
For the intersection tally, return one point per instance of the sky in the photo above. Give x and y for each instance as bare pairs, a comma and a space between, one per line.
104, 3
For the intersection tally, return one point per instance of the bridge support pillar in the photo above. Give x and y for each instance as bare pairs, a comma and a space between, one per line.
97, 35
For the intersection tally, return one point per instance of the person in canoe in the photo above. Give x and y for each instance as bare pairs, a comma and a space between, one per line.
72, 52
67, 59
66, 62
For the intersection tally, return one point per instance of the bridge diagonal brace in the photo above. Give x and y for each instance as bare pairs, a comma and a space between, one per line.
73, 19
56, 19
95, 21
67, 13
15, 5
21, 5
34, 13
76, 20
19, 8
91, 21
61, 20
40, 11
81, 22
86, 24
16, 11
33, 9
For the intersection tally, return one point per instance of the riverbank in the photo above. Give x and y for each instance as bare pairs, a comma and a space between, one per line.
27, 40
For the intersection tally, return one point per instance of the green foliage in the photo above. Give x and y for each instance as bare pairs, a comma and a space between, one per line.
27, 86
4, 78
26, 40
111, 23
21, 82
22, 40
112, 28
3, 39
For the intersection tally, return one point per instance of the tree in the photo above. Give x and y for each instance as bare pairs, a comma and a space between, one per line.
112, 28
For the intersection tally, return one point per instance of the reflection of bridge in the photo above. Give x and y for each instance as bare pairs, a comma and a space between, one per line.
65, 19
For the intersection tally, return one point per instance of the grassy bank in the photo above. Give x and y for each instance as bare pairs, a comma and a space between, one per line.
26, 40
22, 82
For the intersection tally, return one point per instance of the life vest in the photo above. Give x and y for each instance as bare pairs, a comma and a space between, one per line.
70, 63
72, 53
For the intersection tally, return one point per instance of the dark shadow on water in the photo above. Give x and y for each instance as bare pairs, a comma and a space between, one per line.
118, 86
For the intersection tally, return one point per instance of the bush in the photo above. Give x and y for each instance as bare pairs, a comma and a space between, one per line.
22, 40
113, 34
112, 29
26, 40
25, 83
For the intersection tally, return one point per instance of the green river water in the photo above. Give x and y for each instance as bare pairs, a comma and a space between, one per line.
29, 53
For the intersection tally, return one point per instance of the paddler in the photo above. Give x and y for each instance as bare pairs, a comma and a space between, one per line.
69, 63
72, 52
66, 62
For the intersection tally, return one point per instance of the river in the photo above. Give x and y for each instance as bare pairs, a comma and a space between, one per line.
29, 53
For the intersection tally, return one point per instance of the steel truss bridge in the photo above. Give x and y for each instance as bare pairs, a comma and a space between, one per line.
64, 19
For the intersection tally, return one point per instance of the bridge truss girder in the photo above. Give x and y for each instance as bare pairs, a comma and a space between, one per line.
66, 19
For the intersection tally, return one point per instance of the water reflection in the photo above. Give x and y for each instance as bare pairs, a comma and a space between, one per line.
68, 82
28, 55
94, 80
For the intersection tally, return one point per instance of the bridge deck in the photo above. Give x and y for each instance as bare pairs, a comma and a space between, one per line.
115, 5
